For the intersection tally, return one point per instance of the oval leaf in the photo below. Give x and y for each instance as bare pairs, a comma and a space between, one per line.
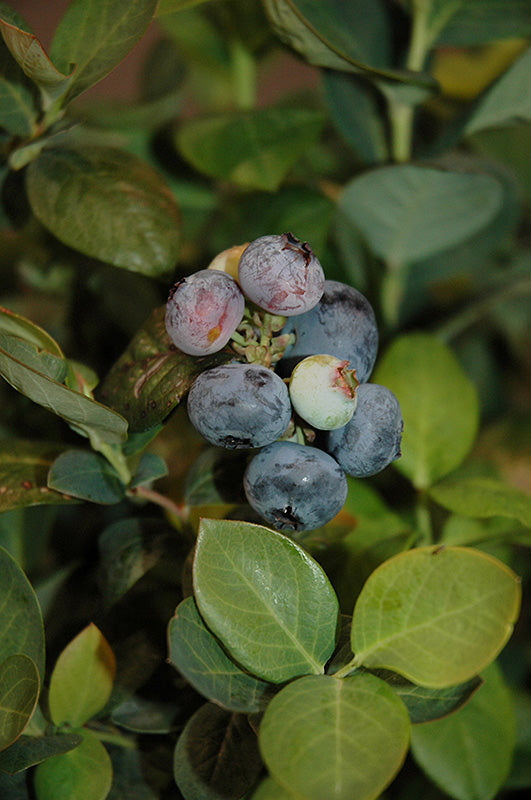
195, 652
216, 755
409, 212
87, 476
485, 21
150, 378
484, 729
435, 615
324, 737
271, 605
439, 406
483, 497
269, 142
124, 212
81, 774
82, 679
19, 692
97, 36
21, 626
507, 102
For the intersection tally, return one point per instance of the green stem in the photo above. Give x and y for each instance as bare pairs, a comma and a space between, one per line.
113, 738
345, 671
115, 457
244, 75
424, 522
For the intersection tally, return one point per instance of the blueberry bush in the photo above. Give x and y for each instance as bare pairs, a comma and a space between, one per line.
264, 456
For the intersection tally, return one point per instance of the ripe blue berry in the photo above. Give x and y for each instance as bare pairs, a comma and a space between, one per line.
323, 391
342, 324
281, 274
371, 440
295, 487
203, 311
239, 405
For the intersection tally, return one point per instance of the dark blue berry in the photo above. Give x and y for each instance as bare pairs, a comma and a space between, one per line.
295, 487
239, 405
342, 324
371, 440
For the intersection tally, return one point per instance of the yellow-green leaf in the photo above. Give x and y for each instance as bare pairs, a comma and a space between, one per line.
19, 692
436, 615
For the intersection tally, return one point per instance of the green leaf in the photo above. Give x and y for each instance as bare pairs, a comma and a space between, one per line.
439, 406
82, 679
435, 615
425, 704
21, 627
28, 354
483, 497
14, 787
507, 101
24, 467
265, 598
87, 476
269, 789
29, 53
81, 774
81, 412
216, 755
150, 378
19, 693
170, 6
18, 109
128, 549
18, 326
410, 212
146, 716
269, 142
350, 36
353, 106
216, 477
151, 468
484, 730
124, 212
195, 652
324, 737
481, 21
97, 36
28, 751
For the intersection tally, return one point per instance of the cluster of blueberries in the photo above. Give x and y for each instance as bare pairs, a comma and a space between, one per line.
296, 391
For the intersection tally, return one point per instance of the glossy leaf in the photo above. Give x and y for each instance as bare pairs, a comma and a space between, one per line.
19, 693
481, 21
149, 380
21, 627
124, 212
28, 751
82, 412
197, 654
97, 36
254, 149
24, 469
410, 212
84, 773
216, 755
483, 497
35, 63
437, 616
439, 406
269, 603
425, 704
344, 36
507, 102
484, 729
82, 679
324, 737
87, 476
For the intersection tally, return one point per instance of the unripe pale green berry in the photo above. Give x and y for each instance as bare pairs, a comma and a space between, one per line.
323, 391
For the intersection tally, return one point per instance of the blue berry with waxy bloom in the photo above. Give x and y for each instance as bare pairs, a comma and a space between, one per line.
323, 391
295, 487
371, 440
342, 324
239, 405
281, 274
203, 311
